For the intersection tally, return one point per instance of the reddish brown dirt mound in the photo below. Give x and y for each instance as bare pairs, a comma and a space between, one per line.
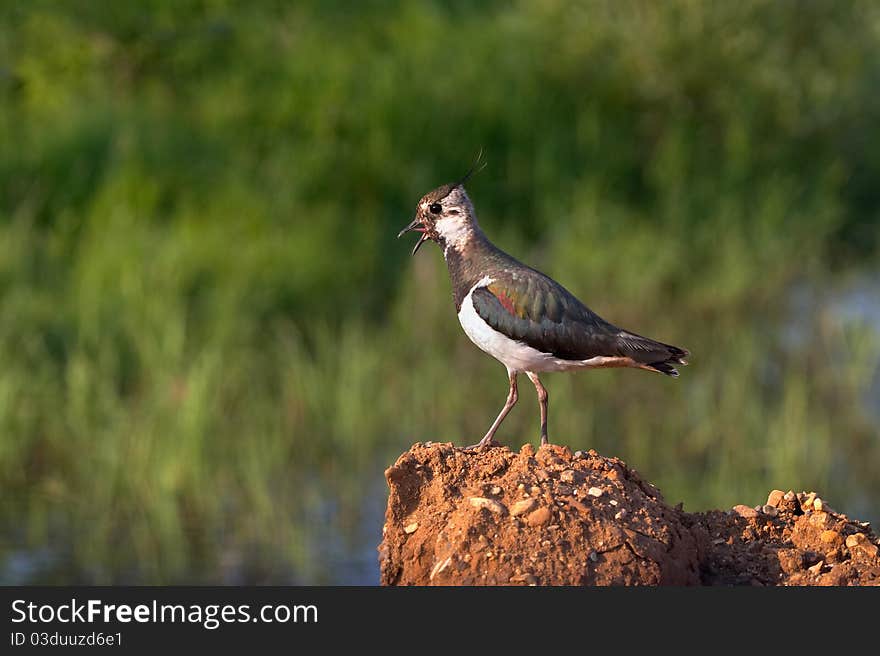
495, 517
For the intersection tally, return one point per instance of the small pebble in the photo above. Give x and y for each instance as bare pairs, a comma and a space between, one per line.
522, 507
790, 496
411, 528
538, 517
495, 490
807, 502
520, 577
745, 511
830, 536
439, 567
578, 455
854, 540
775, 498
819, 518
613, 502
567, 476
594, 492
771, 510
594, 556
620, 514
488, 504
818, 504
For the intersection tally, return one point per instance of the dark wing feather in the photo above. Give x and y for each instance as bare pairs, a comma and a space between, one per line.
539, 312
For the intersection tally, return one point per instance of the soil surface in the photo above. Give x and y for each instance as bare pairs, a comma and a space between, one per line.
552, 517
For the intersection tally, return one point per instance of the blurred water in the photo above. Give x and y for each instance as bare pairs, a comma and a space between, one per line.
860, 303
24, 567
340, 556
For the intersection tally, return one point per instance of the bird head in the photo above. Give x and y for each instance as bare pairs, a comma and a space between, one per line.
444, 215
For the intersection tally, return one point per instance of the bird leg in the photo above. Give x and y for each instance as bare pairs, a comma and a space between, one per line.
542, 401
512, 396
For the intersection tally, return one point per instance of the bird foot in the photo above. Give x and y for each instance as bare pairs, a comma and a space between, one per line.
482, 443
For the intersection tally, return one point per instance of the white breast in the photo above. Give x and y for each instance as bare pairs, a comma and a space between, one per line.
514, 355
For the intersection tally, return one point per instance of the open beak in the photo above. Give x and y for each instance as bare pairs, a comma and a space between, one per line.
415, 226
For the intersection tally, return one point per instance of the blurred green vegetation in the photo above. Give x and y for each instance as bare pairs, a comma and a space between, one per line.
211, 344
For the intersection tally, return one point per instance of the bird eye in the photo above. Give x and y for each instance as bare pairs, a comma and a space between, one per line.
435, 208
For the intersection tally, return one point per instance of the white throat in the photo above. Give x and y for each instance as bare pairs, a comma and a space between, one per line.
456, 233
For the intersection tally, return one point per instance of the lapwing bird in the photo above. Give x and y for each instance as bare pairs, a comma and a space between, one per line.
518, 315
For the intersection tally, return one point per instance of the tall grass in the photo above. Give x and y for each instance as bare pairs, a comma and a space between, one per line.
211, 344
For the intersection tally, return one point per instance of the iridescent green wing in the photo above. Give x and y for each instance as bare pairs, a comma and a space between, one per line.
541, 313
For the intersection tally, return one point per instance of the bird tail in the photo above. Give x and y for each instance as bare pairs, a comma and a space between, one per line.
664, 367
653, 355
